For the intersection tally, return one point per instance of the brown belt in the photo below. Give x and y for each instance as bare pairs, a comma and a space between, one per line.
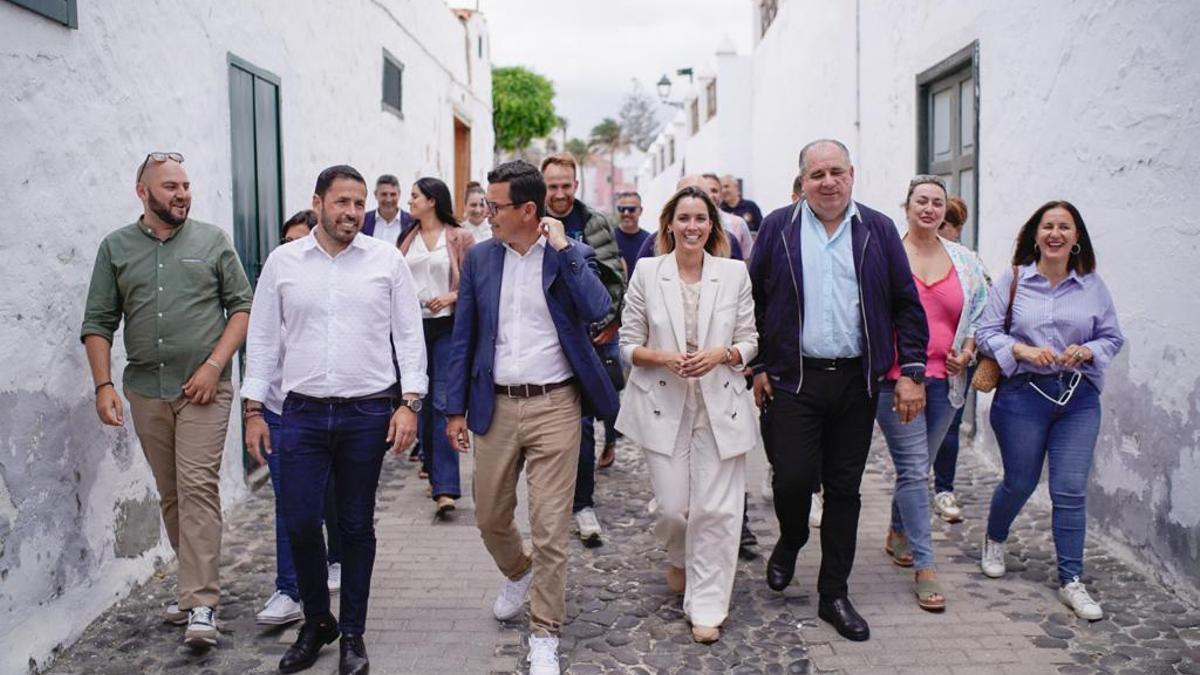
531, 390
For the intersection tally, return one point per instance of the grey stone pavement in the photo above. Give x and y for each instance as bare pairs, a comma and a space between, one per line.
434, 584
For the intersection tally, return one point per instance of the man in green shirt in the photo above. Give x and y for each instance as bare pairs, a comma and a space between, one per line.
185, 300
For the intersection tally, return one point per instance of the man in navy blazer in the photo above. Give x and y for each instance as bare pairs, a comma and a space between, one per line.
387, 222
522, 371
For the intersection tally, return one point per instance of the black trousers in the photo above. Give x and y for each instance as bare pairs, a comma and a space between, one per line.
821, 436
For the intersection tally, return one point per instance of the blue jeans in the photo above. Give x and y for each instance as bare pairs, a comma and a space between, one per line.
945, 462
909, 445
285, 569
1030, 429
441, 460
347, 440
585, 478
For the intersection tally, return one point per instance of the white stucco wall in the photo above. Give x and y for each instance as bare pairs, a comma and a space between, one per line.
1093, 103
79, 521
1090, 102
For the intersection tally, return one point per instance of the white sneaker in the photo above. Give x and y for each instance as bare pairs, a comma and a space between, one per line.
945, 504
543, 655
588, 526
201, 628
280, 609
992, 561
512, 597
335, 577
173, 615
768, 492
1075, 596
816, 510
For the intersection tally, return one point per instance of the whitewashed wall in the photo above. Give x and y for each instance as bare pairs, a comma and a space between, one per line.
1091, 102
79, 522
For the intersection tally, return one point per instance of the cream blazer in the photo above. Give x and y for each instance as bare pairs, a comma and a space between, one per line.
652, 407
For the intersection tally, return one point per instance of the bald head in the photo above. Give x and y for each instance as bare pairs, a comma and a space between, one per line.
824, 144
690, 180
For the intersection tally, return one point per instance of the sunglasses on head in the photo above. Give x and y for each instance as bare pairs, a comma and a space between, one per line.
159, 157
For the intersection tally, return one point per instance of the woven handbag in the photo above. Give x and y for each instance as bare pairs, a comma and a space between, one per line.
987, 372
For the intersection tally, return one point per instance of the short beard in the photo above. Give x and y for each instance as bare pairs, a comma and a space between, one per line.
329, 227
163, 211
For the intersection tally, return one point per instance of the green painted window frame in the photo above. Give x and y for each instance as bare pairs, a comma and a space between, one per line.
62, 11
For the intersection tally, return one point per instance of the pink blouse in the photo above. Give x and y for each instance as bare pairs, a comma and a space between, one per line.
943, 303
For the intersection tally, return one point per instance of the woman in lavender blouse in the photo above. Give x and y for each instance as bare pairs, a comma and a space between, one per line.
1062, 337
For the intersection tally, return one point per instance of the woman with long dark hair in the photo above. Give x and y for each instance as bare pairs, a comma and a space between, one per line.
1051, 324
688, 329
434, 249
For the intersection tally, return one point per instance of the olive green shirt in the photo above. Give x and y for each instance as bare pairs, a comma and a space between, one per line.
175, 296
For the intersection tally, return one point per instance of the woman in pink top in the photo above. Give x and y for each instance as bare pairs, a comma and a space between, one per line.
953, 291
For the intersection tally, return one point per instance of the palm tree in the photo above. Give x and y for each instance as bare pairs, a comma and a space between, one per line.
582, 152
561, 125
609, 137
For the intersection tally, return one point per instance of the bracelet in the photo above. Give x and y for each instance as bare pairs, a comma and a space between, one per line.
253, 412
214, 364
103, 385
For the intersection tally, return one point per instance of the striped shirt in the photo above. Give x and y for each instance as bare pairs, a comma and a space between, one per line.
1079, 311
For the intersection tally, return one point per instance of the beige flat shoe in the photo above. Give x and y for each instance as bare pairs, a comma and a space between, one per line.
676, 579
706, 635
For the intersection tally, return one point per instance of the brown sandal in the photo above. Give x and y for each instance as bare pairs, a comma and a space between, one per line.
607, 457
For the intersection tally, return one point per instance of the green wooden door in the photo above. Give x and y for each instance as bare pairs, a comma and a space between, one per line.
256, 158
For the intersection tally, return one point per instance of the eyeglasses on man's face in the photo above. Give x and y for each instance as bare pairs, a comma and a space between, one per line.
494, 207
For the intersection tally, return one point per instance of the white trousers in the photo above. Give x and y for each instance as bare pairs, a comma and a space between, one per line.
700, 501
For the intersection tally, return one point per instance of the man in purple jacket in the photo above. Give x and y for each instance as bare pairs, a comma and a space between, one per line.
834, 300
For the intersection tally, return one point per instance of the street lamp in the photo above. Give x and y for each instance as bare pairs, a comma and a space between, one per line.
664, 88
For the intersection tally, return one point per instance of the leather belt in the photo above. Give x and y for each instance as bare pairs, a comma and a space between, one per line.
531, 390
386, 394
852, 362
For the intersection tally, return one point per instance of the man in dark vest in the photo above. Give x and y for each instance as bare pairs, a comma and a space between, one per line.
387, 220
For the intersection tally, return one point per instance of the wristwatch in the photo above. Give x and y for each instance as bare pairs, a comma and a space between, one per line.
915, 374
413, 404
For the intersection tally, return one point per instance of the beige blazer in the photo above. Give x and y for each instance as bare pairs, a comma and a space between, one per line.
652, 407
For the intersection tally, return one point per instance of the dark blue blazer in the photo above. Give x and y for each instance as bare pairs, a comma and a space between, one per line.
368, 227
575, 297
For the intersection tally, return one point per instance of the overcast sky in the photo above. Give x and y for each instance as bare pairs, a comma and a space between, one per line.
592, 49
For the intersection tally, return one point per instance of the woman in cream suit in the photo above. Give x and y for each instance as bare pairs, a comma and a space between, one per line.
688, 328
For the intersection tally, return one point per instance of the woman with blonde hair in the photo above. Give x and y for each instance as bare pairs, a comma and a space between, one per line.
688, 329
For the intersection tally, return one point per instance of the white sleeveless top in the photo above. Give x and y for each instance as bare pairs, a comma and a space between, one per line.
430, 271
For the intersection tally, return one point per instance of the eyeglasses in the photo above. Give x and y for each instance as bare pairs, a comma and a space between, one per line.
627, 209
924, 178
1065, 397
494, 207
158, 157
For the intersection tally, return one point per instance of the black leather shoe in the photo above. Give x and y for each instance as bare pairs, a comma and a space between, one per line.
354, 656
841, 615
781, 567
303, 652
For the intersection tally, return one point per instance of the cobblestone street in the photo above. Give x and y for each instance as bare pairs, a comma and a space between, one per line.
434, 584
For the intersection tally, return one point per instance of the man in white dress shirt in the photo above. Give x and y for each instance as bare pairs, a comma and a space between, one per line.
328, 301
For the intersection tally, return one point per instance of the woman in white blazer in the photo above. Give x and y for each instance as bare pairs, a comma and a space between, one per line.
688, 328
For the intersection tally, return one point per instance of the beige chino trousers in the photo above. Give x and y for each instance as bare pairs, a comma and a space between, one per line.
541, 434
184, 444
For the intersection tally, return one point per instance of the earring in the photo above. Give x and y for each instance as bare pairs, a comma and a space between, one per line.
1037, 251
1076, 249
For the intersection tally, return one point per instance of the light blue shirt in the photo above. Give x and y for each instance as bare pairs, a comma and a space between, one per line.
832, 320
